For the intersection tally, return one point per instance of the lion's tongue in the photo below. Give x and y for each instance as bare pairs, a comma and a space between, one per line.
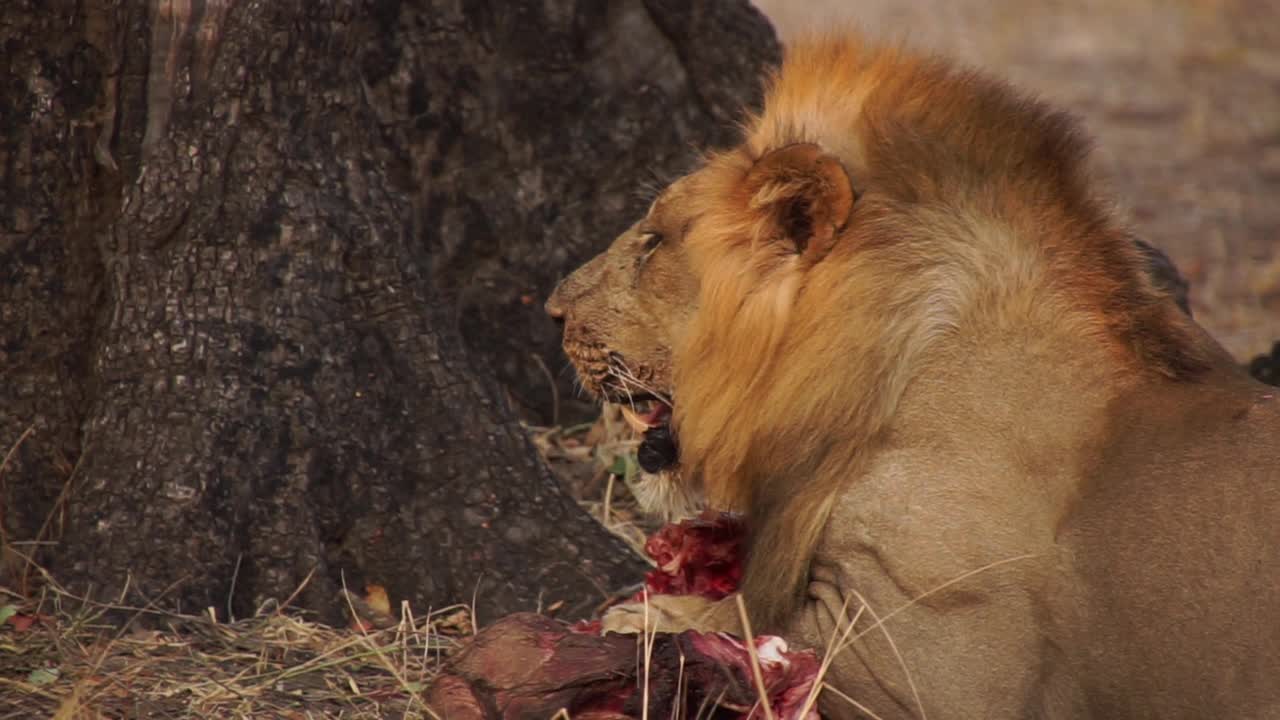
654, 416
657, 413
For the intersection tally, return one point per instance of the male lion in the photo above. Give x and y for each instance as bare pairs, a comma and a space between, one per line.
902, 332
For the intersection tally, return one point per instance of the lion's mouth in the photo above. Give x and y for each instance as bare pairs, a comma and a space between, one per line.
650, 418
646, 410
645, 413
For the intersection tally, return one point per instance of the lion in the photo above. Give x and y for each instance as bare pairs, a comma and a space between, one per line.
989, 467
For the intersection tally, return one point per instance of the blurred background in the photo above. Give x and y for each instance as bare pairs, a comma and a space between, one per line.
1182, 97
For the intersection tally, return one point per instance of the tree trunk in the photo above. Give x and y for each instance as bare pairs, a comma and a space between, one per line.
266, 263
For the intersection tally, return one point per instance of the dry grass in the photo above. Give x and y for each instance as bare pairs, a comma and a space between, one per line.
61, 657
596, 463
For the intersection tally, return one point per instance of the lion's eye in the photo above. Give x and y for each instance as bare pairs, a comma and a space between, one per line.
649, 241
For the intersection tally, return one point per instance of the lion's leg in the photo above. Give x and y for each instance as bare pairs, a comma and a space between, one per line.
973, 656
830, 623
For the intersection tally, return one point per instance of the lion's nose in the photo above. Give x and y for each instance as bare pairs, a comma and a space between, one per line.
556, 311
555, 306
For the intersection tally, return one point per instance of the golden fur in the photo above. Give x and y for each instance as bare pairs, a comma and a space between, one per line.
903, 286
978, 210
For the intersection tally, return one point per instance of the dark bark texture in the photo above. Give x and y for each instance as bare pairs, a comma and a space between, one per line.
273, 273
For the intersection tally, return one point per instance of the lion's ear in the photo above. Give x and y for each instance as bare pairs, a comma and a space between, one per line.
803, 195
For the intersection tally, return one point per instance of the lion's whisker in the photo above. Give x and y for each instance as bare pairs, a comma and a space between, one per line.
624, 373
625, 388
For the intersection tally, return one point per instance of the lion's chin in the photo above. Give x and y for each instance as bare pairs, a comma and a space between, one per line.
659, 487
664, 495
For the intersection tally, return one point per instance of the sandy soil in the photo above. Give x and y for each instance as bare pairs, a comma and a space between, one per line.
1183, 97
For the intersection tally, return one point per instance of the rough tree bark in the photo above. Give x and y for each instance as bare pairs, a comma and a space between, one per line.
243, 243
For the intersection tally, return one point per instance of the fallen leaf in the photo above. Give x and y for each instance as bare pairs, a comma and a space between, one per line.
459, 621
376, 597
22, 623
42, 676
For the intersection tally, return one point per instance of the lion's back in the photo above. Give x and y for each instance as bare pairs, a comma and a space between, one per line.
1177, 542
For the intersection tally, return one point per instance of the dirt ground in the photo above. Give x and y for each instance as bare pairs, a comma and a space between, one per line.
1182, 96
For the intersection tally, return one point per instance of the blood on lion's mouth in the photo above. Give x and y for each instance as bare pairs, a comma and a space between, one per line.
646, 413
